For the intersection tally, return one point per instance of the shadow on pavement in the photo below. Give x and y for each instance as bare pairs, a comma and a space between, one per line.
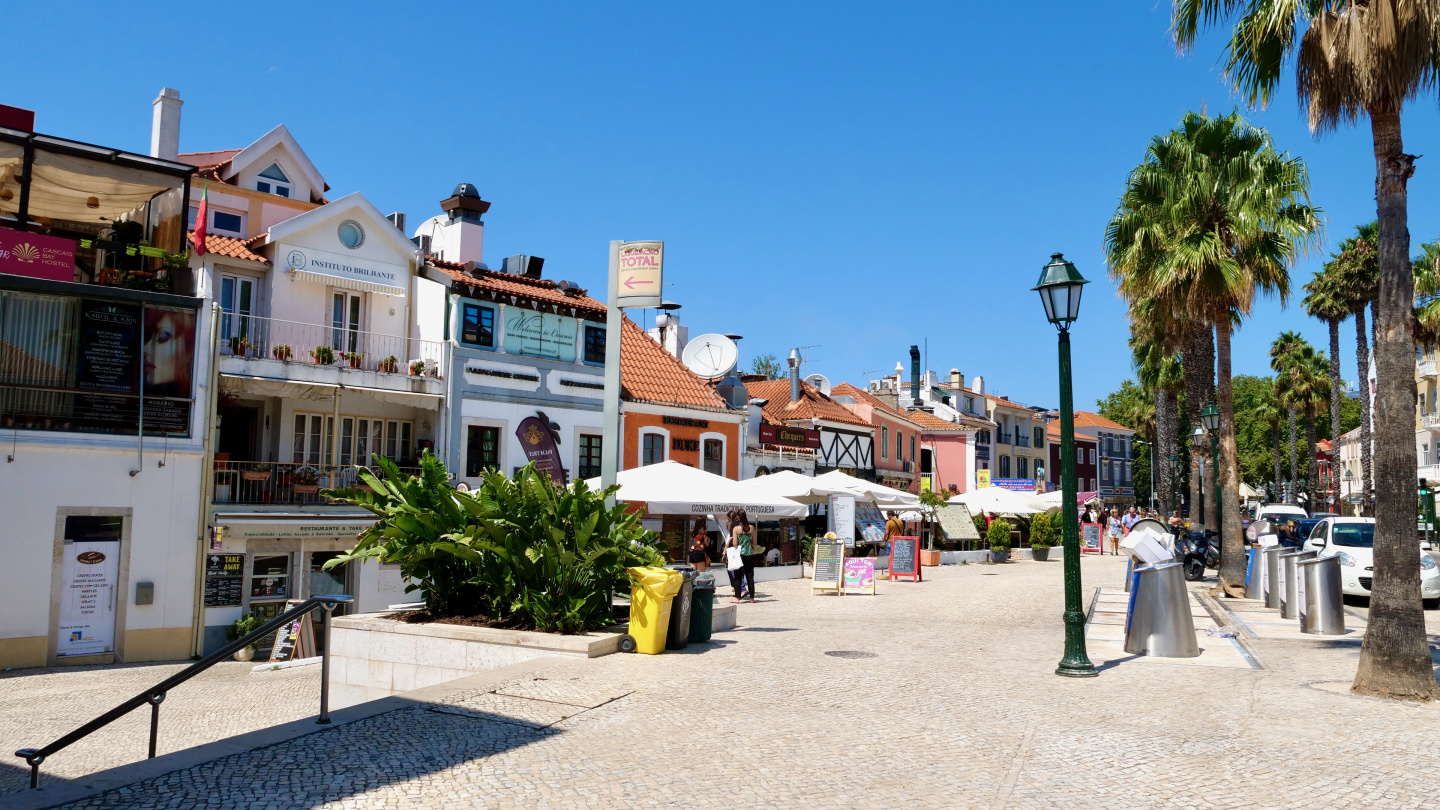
15, 774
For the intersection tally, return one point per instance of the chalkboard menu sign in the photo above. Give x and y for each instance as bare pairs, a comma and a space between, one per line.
829, 564
1090, 538
294, 640
905, 558
224, 579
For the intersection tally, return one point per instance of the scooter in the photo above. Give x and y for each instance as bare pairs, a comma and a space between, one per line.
1198, 551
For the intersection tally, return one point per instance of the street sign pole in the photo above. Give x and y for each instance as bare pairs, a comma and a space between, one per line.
610, 432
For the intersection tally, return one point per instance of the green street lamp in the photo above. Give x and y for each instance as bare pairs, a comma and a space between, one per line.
1060, 286
1210, 415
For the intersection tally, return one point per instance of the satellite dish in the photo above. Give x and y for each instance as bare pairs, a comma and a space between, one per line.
819, 383
710, 356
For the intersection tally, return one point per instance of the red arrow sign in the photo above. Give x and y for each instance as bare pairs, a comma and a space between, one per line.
630, 282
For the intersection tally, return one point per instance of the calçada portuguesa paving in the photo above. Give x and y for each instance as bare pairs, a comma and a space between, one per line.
955, 705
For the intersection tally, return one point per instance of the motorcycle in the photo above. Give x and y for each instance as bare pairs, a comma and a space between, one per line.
1198, 551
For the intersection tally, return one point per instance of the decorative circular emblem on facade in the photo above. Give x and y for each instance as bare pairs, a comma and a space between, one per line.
296, 260
90, 557
351, 234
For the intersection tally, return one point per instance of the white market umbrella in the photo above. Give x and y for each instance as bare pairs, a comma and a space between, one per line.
792, 485
882, 496
1000, 501
672, 488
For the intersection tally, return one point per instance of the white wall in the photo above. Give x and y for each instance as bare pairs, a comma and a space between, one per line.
507, 417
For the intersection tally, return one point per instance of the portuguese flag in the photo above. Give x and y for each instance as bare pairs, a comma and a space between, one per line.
200, 219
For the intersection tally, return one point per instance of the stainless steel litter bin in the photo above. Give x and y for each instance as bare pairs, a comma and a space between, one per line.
1324, 608
1254, 574
1272, 574
1159, 621
1292, 593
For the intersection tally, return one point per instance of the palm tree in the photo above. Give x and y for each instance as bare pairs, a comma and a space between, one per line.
1325, 299
1269, 415
1160, 375
1212, 218
1282, 358
1312, 371
1354, 58
1356, 266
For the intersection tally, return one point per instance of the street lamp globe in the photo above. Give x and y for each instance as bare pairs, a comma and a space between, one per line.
1210, 415
1059, 287
1349, 474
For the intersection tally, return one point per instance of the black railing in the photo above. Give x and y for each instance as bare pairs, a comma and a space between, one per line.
155, 695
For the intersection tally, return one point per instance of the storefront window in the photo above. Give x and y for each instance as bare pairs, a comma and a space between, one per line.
482, 450
270, 577
589, 456
653, 445
714, 456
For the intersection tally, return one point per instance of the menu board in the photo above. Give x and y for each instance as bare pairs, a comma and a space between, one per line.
859, 576
871, 523
296, 639
829, 560
109, 347
905, 558
224, 579
1090, 538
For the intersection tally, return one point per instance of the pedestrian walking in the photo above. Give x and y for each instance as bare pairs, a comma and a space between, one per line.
735, 567
1114, 529
700, 547
1132, 516
744, 535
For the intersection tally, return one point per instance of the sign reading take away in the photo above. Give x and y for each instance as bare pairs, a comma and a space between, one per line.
640, 281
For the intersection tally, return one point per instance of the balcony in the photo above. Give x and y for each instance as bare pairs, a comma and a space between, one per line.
1430, 421
1004, 438
283, 484
1022, 441
1425, 368
252, 346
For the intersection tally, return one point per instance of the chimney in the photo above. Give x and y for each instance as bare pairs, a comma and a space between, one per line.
165, 125
957, 379
458, 235
978, 386
915, 374
794, 361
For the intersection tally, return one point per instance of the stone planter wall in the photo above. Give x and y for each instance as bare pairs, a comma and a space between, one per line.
372, 657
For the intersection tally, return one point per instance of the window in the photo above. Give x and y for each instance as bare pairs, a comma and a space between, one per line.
477, 326
274, 181
899, 445
714, 457
1039, 468
237, 296
1039, 437
595, 344
969, 404
482, 450
884, 441
1022, 467
1004, 466
270, 577
226, 222
653, 445
347, 441
308, 433
351, 234
913, 454
397, 441
345, 322
359, 440
1127, 474
589, 456
1092, 455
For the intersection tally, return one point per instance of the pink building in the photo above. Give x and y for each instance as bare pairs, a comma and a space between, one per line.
945, 448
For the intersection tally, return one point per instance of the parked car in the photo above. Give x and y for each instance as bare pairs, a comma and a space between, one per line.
1279, 512
1323, 515
1352, 539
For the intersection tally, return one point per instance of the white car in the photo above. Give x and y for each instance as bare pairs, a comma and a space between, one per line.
1351, 539
1272, 515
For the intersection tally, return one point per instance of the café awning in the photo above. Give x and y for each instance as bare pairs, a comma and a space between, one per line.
257, 526
672, 488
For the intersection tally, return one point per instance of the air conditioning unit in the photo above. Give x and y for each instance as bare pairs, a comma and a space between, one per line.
522, 265
398, 219
422, 241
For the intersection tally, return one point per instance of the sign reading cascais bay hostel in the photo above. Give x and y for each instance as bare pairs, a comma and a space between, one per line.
324, 267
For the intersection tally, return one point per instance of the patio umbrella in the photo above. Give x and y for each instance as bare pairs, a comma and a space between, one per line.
792, 485
1000, 501
882, 496
672, 488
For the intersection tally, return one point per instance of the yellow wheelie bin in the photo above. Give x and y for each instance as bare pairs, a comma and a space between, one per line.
651, 591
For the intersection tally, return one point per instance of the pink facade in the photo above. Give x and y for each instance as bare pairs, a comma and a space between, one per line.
947, 459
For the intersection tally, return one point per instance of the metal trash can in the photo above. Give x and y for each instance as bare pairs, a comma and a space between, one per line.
702, 609
680, 609
1272, 574
1292, 593
1255, 574
1323, 612
1159, 621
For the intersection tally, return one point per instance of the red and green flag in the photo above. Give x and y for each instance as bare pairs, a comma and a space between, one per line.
201, 218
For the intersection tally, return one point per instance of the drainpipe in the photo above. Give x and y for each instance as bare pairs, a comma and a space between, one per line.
915, 374
794, 361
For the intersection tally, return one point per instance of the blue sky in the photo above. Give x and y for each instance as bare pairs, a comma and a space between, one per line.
858, 177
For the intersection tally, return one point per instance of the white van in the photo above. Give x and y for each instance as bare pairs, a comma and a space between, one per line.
1274, 514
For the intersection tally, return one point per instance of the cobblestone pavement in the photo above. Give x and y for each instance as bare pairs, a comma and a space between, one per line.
39, 705
952, 703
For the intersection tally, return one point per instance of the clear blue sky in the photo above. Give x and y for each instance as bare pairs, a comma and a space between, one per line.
858, 176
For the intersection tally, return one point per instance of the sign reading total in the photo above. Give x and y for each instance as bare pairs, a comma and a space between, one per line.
36, 255
640, 281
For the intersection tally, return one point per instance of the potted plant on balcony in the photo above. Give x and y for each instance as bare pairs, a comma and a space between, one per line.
353, 358
390, 364
323, 355
281, 352
240, 346
998, 536
241, 627
306, 480
417, 368
1042, 535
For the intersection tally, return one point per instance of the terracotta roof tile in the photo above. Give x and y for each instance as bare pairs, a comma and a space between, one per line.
812, 404
504, 284
1052, 433
208, 160
929, 421
229, 247
1088, 419
648, 373
861, 395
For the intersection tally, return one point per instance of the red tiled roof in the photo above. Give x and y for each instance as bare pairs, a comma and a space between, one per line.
1052, 433
208, 160
860, 395
929, 421
504, 285
648, 373
1088, 419
812, 404
229, 247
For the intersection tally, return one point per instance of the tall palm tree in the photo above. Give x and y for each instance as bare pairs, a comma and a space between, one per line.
1282, 359
1325, 299
1354, 58
1212, 218
1160, 375
1356, 266
1269, 414
1312, 369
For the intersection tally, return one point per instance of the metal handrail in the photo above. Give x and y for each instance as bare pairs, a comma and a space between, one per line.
155, 695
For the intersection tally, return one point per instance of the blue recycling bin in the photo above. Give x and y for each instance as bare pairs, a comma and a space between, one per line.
1252, 557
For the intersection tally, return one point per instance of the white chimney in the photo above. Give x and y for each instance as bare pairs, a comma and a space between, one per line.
458, 235
978, 386
165, 125
669, 333
956, 378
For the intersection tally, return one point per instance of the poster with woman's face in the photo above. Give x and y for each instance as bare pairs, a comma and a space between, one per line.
169, 349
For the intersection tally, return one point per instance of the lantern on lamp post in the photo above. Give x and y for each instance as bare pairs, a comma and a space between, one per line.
1060, 287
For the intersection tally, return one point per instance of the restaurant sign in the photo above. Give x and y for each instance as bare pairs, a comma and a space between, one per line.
36, 255
789, 436
538, 334
539, 438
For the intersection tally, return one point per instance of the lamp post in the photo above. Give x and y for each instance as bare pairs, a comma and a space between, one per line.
1210, 415
1197, 442
1349, 484
1060, 286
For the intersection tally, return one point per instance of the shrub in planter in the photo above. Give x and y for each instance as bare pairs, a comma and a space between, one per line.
417, 368
239, 346
1042, 534
998, 536
241, 627
324, 355
353, 358
390, 364
521, 550
281, 352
